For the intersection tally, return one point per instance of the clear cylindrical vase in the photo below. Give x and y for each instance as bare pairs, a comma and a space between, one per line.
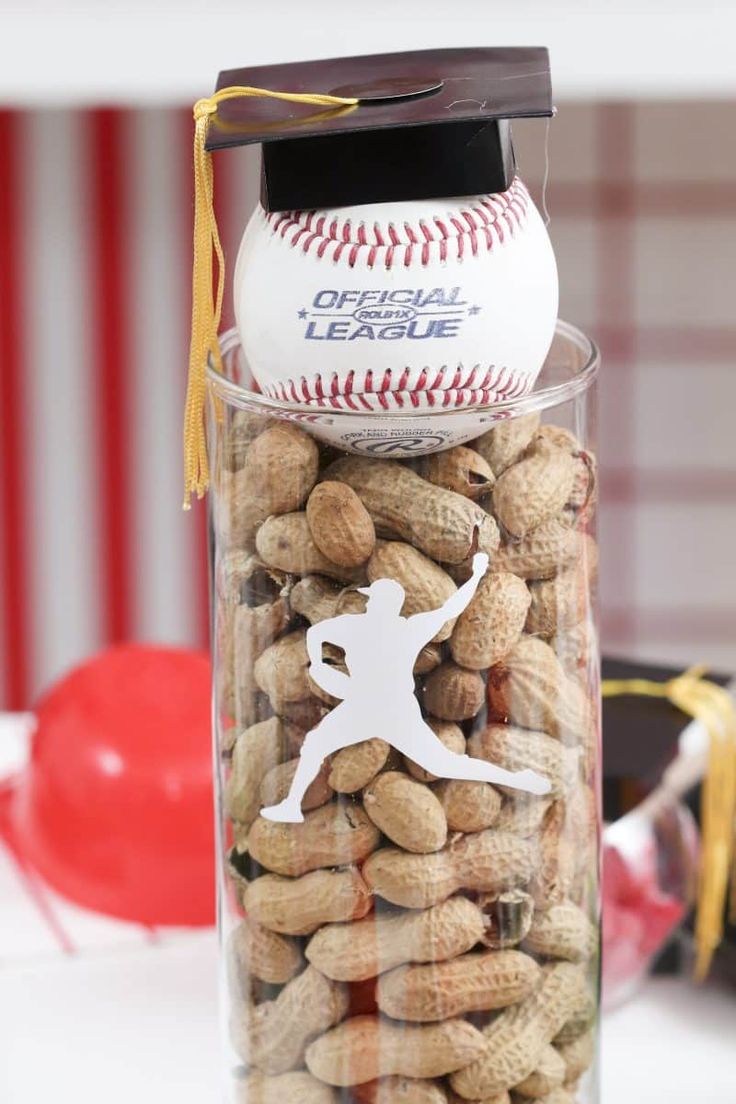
406, 682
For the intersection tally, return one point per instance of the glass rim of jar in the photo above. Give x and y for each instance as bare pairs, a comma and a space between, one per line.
553, 395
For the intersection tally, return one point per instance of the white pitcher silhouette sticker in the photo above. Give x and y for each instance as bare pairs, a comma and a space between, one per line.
378, 697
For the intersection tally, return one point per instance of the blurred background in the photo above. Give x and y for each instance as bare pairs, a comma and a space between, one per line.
638, 175
95, 222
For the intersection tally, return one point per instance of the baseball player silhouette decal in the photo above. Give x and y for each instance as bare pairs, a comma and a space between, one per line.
378, 697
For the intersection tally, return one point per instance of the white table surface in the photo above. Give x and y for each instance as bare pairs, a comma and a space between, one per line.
139, 1024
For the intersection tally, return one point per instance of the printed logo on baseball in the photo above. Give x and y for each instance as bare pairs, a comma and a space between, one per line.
398, 307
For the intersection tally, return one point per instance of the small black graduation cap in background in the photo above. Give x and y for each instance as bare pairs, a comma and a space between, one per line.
428, 123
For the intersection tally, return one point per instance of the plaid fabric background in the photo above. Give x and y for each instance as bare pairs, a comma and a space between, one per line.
95, 219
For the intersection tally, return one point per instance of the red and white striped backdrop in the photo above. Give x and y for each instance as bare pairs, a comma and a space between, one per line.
95, 224
95, 271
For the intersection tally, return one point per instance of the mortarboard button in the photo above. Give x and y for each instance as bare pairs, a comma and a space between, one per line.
394, 88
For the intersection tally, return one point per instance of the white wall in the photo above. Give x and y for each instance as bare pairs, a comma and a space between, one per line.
170, 50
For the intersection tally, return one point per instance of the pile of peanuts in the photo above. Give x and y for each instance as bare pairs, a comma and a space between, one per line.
414, 940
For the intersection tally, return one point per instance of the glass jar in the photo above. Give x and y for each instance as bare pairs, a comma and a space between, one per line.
407, 743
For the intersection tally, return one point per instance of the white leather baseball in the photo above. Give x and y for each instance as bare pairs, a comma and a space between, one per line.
398, 306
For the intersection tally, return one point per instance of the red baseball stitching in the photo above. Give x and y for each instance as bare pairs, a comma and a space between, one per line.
483, 225
449, 387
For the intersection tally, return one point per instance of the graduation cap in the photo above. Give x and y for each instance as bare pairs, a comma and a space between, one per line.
427, 123
346, 131
645, 710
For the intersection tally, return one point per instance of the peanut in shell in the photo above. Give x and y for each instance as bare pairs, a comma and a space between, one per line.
282, 670
450, 734
530, 688
406, 811
278, 472
459, 469
551, 547
380, 942
553, 436
584, 490
429, 657
273, 1036
254, 951
487, 539
533, 490
298, 906
562, 931
487, 861
468, 806
557, 604
492, 623
473, 982
257, 750
553, 880
333, 835
281, 467
340, 525
426, 586
237, 512
285, 543
453, 693
355, 766
442, 524
518, 749
315, 597
516, 1039
503, 445
522, 814
277, 783
365, 1048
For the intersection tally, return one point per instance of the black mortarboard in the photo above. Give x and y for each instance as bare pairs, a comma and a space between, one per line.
429, 123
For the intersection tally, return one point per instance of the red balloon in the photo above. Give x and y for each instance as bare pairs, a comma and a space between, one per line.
115, 810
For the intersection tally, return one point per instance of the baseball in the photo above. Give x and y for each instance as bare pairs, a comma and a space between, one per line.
445, 303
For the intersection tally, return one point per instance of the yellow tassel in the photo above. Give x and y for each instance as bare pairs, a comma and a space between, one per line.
206, 310
714, 708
